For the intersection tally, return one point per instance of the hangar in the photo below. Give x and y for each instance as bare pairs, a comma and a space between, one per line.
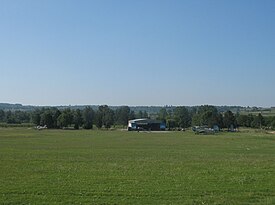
146, 124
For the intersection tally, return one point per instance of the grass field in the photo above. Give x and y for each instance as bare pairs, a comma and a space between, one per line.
119, 167
265, 112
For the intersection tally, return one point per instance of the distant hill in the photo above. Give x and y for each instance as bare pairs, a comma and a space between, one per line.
148, 109
13, 107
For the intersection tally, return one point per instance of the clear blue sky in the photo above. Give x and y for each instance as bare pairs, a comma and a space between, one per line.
137, 52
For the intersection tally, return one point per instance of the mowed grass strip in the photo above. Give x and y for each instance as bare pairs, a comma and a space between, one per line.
117, 167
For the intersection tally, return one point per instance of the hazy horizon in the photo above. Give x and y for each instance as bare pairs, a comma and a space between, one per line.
57, 105
137, 52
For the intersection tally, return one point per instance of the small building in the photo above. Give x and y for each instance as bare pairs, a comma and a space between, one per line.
146, 124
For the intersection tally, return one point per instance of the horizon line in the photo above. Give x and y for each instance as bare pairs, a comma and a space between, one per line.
166, 105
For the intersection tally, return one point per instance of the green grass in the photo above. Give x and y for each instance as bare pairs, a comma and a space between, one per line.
117, 167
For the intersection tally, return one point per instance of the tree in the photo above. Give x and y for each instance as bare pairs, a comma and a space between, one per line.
241, 120
132, 115
162, 115
47, 119
207, 115
36, 117
229, 120
145, 115
196, 120
61, 121
272, 124
98, 119
139, 115
2, 116
258, 121
104, 117
193, 111
219, 121
65, 119
261, 120
170, 123
78, 120
88, 117
182, 117
10, 119
122, 115
108, 117
250, 118
20, 116
56, 114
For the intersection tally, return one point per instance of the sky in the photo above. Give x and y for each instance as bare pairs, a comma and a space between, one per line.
145, 52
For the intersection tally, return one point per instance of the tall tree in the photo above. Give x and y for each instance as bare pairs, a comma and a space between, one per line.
104, 117
78, 120
56, 113
47, 119
229, 120
20, 116
162, 115
139, 115
88, 117
98, 119
122, 115
108, 117
207, 115
182, 117
36, 117
272, 123
258, 121
66, 118
132, 115
2, 116
10, 118
241, 120
145, 115
170, 121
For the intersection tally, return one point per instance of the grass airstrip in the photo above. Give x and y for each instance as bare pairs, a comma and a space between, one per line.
120, 167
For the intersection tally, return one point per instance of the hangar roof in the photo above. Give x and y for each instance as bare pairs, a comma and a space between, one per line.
144, 121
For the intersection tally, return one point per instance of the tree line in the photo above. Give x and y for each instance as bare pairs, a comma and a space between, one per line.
87, 118
105, 117
207, 115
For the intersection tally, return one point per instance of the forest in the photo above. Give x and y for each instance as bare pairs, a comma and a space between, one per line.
106, 117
